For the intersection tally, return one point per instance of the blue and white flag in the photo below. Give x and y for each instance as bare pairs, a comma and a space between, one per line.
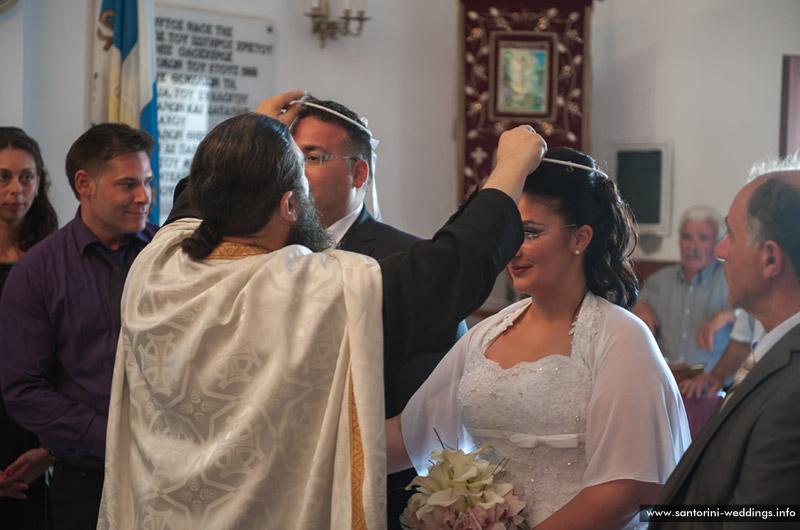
124, 71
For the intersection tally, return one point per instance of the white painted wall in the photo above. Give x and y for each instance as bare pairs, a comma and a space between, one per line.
55, 71
705, 75
401, 74
11, 61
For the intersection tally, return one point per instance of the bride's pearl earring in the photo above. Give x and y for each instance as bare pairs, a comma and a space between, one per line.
577, 252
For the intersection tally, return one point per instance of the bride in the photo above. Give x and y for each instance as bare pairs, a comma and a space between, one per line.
567, 385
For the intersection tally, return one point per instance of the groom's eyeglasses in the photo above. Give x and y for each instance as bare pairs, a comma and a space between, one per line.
321, 159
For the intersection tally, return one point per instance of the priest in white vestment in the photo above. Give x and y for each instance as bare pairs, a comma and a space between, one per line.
247, 390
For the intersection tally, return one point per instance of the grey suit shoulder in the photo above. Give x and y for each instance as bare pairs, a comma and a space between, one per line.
749, 450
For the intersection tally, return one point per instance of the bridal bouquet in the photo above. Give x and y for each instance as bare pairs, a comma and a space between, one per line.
461, 493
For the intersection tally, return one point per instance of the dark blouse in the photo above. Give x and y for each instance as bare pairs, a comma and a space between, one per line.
14, 440
5, 268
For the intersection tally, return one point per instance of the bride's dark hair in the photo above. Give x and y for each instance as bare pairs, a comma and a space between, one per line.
584, 197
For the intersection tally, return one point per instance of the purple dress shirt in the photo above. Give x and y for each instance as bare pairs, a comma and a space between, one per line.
58, 339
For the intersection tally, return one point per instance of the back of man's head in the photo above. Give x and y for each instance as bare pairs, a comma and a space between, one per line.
102, 143
357, 138
773, 207
240, 171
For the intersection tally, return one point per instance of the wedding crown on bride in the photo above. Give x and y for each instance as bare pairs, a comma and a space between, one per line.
575, 165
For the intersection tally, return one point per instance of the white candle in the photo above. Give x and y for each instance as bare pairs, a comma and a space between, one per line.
314, 4
346, 5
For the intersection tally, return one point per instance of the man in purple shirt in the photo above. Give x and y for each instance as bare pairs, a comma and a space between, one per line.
59, 315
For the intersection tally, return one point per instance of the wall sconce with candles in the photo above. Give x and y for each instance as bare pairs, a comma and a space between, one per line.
328, 28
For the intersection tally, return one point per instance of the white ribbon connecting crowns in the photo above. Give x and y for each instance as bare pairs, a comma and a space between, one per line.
373, 190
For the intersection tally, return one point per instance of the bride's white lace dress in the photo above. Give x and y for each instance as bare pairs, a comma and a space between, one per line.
610, 410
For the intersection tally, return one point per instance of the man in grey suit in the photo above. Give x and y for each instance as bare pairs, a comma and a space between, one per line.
748, 454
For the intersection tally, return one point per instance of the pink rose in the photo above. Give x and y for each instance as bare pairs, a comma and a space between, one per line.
513, 505
467, 522
482, 516
441, 518
409, 518
512, 509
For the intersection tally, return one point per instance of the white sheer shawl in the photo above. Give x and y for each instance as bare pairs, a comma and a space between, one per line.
636, 425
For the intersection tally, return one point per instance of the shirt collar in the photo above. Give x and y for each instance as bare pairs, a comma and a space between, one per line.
85, 237
702, 277
340, 227
768, 340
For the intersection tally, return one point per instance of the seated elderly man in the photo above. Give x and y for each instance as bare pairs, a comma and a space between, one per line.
686, 305
735, 363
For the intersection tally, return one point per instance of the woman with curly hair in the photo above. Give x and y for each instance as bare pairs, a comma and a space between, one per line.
26, 217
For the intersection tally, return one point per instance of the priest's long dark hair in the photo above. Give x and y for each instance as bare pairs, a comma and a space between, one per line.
240, 171
584, 197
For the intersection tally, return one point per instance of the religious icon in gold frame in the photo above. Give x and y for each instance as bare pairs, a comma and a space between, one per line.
523, 71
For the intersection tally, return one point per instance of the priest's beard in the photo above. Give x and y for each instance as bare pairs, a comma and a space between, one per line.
307, 230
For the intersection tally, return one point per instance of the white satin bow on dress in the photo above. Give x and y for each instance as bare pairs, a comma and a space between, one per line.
528, 441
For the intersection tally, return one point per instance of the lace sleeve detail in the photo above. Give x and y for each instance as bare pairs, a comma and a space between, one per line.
495, 331
585, 328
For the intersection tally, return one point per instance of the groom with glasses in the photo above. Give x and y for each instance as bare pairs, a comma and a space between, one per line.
338, 150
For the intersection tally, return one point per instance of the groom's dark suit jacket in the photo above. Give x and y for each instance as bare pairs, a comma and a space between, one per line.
379, 240
749, 450
373, 238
